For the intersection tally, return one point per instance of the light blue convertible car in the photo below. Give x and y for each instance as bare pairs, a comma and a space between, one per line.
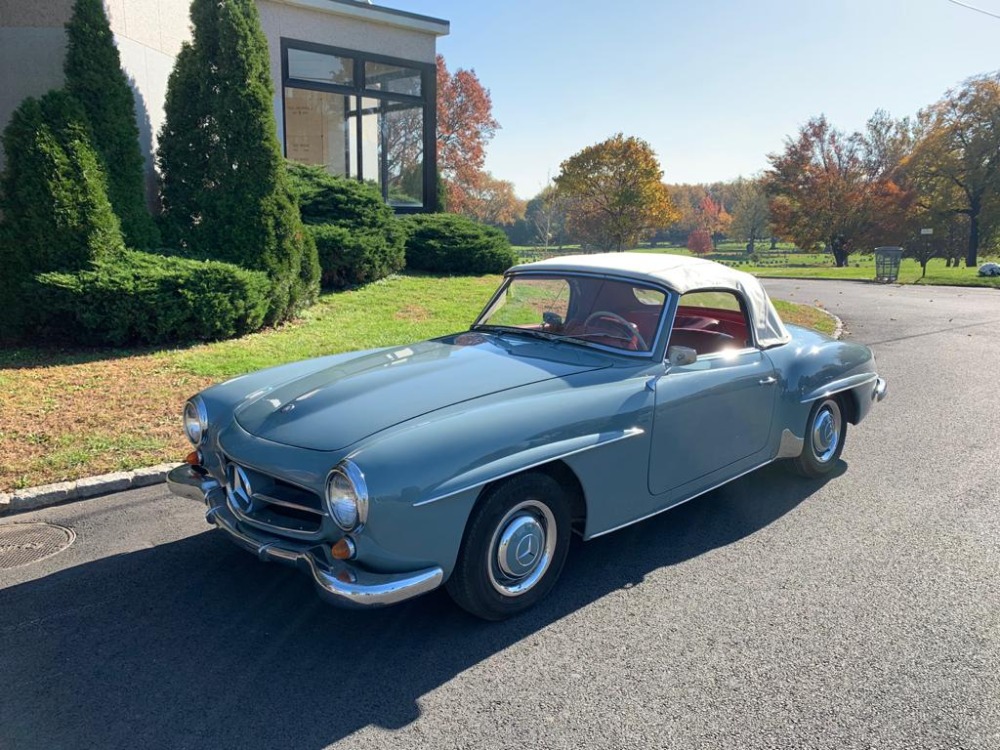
593, 391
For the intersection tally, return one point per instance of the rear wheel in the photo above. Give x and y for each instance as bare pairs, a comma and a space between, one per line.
514, 548
826, 431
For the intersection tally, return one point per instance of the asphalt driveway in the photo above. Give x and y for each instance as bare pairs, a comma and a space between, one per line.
857, 612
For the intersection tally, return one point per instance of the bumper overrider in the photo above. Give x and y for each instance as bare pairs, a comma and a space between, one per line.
337, 582
881, 389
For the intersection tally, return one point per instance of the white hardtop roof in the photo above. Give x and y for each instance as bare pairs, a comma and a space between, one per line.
681, 273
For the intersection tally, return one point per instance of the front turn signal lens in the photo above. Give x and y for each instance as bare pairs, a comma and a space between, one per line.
193, 458
344, 549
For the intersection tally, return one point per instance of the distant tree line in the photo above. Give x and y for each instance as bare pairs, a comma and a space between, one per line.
827, 190
939, 171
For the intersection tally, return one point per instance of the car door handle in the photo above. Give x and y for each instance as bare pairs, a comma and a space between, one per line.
768, 380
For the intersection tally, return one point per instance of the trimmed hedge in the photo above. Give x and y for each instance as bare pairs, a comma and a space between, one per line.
352, 258
448, 243
329, 199
148, 299
357, 236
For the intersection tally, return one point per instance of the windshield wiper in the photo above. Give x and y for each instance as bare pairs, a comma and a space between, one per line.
545, 335
488, 328
570, 336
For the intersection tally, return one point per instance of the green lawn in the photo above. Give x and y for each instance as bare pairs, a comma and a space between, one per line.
786, 262
909, 273
66, 414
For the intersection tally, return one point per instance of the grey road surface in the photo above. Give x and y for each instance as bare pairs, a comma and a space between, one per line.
857, 612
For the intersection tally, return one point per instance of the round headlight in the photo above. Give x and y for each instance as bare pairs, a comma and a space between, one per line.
195, 421
347, 496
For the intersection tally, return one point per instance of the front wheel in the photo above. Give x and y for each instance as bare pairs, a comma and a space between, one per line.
826, 431
514, 547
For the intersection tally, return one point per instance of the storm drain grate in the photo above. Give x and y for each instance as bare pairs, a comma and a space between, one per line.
23, 543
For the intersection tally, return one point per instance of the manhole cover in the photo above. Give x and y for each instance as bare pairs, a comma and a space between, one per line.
23, 543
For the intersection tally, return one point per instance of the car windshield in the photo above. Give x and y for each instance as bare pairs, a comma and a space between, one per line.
588, 310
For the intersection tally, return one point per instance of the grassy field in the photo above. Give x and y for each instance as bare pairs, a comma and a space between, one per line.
909, 273
785, 262
69, 414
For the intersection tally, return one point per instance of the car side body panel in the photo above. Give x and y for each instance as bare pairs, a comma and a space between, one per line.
425, 477
709, 415
426, 474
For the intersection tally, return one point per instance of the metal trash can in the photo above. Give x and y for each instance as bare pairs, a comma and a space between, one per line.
887, 263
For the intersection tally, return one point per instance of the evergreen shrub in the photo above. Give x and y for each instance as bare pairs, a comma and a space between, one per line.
143, 298
52, 192
448, 243
56, 213
357, 236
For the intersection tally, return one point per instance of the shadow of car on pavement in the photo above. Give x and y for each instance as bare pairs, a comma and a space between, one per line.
196, 643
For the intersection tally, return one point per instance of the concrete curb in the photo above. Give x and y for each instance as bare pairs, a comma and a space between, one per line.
47, 495
838, 332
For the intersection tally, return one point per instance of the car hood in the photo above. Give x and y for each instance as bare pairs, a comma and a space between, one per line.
337, 406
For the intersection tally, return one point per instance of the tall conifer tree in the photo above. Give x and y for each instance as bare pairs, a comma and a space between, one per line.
225, 191
94, 76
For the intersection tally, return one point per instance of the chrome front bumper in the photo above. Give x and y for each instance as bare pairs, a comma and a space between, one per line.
337, 582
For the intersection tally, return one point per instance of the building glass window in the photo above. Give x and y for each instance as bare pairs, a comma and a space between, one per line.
319, 68
318, 130
362, 116
392, 78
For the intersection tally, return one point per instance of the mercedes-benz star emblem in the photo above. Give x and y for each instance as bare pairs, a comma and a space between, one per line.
240, 490
525, 550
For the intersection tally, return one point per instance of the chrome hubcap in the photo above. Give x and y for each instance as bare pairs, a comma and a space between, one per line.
522, 547
826, 432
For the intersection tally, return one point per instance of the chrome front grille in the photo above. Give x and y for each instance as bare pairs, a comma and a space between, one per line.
273, 504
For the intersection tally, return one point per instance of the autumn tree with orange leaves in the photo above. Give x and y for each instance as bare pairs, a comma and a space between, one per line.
713, 218
465, 125
841, 191
492, 201
615, 194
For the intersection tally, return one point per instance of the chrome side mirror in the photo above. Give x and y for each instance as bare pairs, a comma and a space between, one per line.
679, 356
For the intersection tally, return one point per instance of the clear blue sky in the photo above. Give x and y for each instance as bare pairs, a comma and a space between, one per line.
713, 85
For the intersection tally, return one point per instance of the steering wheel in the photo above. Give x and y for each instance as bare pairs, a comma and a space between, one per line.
634, 337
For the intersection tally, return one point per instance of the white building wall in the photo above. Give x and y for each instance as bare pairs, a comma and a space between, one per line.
33, 48
149, 34
31, 63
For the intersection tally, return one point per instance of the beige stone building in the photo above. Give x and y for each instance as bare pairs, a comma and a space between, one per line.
354, 83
